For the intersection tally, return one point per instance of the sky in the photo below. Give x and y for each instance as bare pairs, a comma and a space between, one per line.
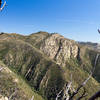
74, 19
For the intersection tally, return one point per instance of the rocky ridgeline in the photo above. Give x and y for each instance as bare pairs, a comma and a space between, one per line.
59, 48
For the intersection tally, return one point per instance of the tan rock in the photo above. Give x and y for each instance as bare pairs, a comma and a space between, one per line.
59, 48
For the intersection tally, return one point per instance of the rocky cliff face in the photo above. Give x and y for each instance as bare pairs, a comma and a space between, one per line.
60, 49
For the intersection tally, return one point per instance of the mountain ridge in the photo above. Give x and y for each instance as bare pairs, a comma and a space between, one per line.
46, 61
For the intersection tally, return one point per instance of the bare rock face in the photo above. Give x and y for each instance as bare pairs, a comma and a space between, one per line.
59, 48
3, 98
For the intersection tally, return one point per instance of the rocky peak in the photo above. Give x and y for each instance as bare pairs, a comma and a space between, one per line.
59, 48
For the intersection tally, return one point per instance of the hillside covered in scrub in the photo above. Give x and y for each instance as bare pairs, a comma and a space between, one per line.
40, 64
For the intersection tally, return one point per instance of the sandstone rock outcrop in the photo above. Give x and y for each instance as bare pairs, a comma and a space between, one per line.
59, 48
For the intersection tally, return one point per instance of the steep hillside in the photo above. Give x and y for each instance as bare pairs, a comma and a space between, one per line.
46, 61
64, 51
32, 65
88, 52
68, 53
12, 86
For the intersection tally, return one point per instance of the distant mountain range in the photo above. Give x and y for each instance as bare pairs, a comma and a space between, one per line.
94, 46
41, 63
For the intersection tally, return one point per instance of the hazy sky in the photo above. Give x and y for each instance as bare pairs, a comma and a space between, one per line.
74, 19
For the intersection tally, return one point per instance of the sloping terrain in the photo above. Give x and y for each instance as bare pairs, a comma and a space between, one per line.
46, 61
32, 65
12, 86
